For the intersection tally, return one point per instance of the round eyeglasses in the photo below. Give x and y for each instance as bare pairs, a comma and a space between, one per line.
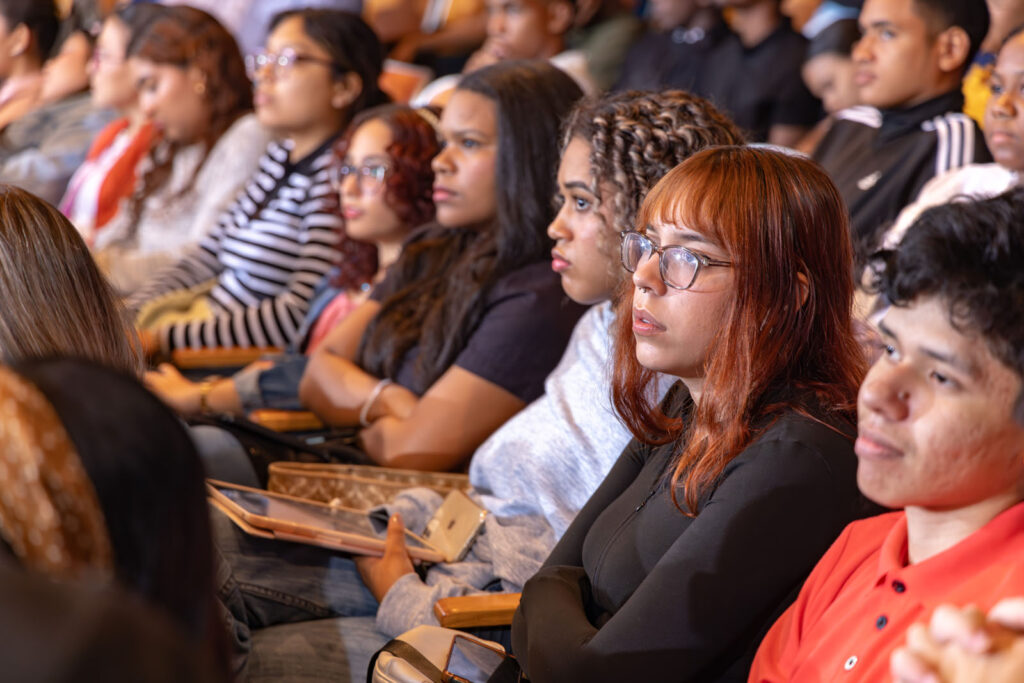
368, 176
678, 266
280, 63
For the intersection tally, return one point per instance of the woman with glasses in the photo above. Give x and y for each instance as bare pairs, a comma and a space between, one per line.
191, 86
384, 182
744, 475
250, 280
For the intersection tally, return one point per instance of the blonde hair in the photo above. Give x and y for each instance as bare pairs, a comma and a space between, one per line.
55, 301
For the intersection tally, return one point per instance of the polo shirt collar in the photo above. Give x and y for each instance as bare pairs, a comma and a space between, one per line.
941, 573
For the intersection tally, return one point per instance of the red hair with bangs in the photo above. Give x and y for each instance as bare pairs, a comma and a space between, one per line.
786, 341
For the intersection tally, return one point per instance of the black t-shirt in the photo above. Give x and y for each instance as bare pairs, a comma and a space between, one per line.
635, 590
676, 59
525, 326
761, 86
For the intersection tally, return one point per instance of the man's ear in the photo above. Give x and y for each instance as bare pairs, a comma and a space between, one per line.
954, 47
560, 17
346, 89
20, 40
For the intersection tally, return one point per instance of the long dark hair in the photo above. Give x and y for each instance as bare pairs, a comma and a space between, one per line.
785, 229
441, 280
186, 37
149, 482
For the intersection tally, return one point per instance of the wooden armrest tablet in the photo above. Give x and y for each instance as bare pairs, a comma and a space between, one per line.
286, 420
468, 611
228, 356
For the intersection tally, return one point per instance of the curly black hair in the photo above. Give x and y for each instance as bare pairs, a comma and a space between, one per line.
968, 254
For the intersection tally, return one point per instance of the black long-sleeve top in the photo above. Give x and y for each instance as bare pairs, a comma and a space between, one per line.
636, 590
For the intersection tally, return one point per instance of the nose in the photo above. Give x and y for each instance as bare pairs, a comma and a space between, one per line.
147, 106
495, 24
557, 229
1003, 105
887, 390
442, 163
647, 275
349, 186
862, 50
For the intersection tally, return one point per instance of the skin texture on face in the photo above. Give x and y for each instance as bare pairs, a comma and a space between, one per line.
586, 250
935, 423
465, 173
111, 80
674, 330
367, 215
523, 29
898, 59
830, 78
172, 98
66, 73
308, 95
1004, 116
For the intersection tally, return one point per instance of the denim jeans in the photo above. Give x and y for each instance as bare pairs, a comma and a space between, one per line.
309, 614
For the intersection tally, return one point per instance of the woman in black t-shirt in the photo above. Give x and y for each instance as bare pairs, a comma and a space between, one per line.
461, 334
742, 478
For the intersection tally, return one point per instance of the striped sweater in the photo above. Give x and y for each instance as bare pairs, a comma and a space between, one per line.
267, 252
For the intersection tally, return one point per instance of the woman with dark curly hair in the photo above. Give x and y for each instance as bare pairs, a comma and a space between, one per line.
192, 86
384, 181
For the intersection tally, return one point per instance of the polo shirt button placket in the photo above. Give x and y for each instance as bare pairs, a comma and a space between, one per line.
850, 662
899, 586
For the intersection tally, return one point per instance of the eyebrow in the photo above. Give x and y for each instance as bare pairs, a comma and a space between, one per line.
578, 185
881, 23
946, 357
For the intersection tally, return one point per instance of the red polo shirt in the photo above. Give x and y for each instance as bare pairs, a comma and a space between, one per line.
857, 604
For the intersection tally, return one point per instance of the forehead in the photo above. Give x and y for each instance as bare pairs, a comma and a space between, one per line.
469, 110
902, 13
575, 162
292, 33
1011, 56
370, 139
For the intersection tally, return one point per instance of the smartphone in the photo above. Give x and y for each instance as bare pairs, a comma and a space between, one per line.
471, 660
454, 526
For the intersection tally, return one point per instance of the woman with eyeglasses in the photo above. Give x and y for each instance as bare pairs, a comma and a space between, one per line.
744, 475
250, 280
384, 182
191, 87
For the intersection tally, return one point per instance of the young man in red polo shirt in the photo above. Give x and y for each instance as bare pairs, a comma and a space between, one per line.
940, 435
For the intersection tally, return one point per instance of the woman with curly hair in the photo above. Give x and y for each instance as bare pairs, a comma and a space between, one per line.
192, 86
743, 476
384, 181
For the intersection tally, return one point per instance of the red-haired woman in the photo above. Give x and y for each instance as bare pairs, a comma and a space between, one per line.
384, 183
743, 477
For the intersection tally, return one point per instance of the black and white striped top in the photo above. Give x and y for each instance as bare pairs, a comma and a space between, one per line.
267, 252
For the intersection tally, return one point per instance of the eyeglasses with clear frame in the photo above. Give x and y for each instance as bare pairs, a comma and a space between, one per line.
677, 265
368, 176
280, 63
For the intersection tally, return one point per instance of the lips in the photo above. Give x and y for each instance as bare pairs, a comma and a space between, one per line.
871, 445
1000, 137
862, 78
645, 324
558, 262
442, 194
351, 213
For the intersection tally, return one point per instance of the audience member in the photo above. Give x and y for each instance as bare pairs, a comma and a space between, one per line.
829, 73
536, 471
681, 40
41, 150
941, 435
28, 29
603, 31
747, 303
799, 12
192, 86
1005, 16
250, 280
56, 303
827, 13
384, 183
108, 175
519, 29
908, 69
82, 464
755, 75
470, 320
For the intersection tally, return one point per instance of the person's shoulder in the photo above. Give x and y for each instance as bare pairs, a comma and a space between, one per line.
532, 278
246, 135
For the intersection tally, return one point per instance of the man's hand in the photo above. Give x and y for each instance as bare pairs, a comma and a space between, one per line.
380, 573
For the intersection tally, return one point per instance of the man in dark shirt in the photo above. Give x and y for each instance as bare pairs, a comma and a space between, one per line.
682, 37
909, 64
754, 75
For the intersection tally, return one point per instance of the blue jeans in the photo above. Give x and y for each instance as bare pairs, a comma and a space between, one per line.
308, 611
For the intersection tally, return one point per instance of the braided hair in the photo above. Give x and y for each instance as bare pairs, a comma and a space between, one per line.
637, 137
